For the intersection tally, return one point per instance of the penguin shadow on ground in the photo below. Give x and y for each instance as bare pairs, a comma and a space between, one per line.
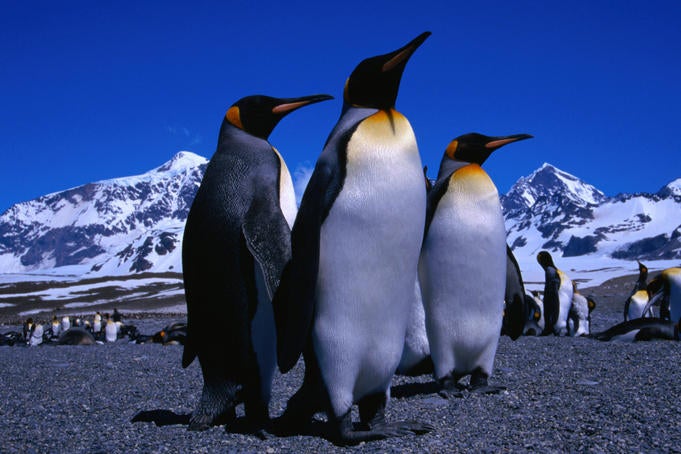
240, 425
407, 390
162, 417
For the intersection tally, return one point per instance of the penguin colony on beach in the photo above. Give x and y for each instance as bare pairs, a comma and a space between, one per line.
563, 311
82, 332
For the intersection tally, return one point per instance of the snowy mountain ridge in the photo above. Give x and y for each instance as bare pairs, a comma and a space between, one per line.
135, 224
556, 211
117, 226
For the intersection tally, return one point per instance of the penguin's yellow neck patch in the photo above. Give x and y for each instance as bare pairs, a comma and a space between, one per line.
382, 118
472, 179
234, 117
470, 171
670, 272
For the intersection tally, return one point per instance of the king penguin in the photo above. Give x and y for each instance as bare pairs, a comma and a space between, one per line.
236, 242
344, 297
462, 268
36, 335
634, 305
640, 329
558, 292
666, 287
579, 315
110, 330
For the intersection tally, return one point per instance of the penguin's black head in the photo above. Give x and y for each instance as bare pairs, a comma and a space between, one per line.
376, 80
643, 270
259, 114
476, 148
591, 302
655, 286
545, 259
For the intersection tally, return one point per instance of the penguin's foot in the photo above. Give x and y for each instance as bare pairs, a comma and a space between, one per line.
216, 406
201, 420
450, 393
346, 435
479, 383
257, 417
300, 410
451, 388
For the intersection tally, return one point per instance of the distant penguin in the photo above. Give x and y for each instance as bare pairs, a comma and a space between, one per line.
10, 338
345, 295
236, 242
36, 335
666, 287
579, 315
65, 323
634, 305
26, 328
516, 304
642, 281
463, 265
534, 322
76, 336
55, 327
640, 329
110, 331
97, 323
558, 293
173, 334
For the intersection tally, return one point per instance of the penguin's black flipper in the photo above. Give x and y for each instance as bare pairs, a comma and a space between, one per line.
294, 300
627, 303
258, 226
434, 196
188, 353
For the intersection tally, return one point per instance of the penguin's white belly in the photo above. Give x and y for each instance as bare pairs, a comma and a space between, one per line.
369, 247
463, 275
110, 332
565, 293
287, 195
637, 303
263, 336
629, 336
416, 347
580, 311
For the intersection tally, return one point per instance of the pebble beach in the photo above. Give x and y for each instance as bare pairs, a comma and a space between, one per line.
563, 395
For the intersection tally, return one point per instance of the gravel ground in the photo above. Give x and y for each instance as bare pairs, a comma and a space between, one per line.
564, 394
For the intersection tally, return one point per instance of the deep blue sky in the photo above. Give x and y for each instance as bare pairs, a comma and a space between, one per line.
96, 90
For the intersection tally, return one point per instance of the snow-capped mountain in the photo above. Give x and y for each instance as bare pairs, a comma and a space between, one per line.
110, 227
554, 210
135, 224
